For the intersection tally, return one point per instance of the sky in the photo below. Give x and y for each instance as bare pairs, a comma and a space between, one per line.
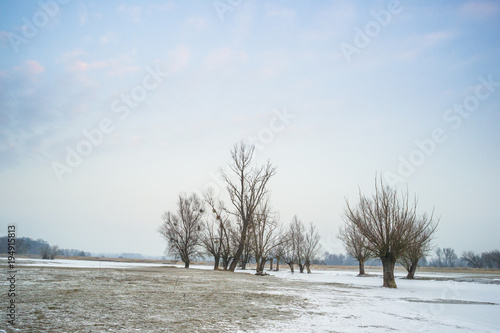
110, 110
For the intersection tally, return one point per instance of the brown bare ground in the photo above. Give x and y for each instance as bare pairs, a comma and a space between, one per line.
149, 299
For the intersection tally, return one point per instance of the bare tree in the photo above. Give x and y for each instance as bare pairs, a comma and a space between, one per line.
389, 223
264, 235
289, 251
297, 238
472, 259
439, 261
491, 259
420, 247
311, 246
246, 255
183, 231
355, 244
212, 239
218, 235
279, 251
247, 186
49, 252
450, 258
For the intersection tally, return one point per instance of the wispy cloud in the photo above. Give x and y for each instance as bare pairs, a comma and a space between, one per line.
336, 20
105, 39
284, 13
179, 58
82, 13
480, 9
133, 12
30, 69
4, 36
168, 6
274, 63
419, 44
196, 22
74, 64
225, 57
33, 67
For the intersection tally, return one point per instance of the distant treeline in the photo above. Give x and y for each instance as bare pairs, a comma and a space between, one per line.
442, 258
26, 245
345, 260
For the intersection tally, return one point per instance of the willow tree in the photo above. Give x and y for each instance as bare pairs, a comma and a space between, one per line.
183, 230
355, 244
247, 188
389, 222
311, 246
419, 248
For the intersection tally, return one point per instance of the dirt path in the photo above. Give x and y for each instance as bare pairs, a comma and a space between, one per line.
149, 300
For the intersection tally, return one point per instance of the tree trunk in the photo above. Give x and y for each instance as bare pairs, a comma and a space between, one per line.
185, 260
291, 267
225, 262
361, 268
412, 270
301, 268
271, 264
308, 267
388, 267
277, 264
216, 263
261, 263
257, 264
241, 248
243, 262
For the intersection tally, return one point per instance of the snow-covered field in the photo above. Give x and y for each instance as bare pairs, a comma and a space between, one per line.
324, 301
347, 303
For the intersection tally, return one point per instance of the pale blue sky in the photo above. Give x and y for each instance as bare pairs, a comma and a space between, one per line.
223, 74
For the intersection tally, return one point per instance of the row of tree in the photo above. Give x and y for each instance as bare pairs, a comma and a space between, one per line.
247, 228
445, 257
385, 225
26, 245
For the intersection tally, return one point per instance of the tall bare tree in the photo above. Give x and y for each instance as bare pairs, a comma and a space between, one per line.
311, 246
389, 223
420, 247
183, 231
355, 244
247, 187
265, 235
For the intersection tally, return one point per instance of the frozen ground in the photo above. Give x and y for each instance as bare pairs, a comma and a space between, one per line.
93, 296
